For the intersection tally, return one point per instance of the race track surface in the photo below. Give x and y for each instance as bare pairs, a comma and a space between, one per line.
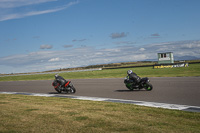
175, 90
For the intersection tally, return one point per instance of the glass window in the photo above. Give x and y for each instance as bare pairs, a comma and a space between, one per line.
163, 55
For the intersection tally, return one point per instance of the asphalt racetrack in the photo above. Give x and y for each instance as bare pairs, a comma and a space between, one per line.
174, 90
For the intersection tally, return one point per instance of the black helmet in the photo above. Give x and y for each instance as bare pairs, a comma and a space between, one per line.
129, 72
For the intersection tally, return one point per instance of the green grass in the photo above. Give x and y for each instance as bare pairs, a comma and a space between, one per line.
192, 70
22, 114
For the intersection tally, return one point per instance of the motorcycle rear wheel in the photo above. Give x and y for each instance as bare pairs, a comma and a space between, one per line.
148, 86
58, 90
129, 87
72, 90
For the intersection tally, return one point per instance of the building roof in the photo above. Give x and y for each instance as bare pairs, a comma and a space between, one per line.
165, 52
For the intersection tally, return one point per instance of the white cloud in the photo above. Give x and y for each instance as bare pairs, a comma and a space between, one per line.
99, 53
142, 49
191, 45
54, 59
17, 3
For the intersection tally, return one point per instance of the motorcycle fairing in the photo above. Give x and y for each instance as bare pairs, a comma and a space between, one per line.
67, 83
144, 80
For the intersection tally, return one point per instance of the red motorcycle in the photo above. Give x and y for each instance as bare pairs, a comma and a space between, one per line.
65, 86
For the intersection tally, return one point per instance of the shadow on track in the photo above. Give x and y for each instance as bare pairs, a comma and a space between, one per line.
54, 93
60, 93
128, 90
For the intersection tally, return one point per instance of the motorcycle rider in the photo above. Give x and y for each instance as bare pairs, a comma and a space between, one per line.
60, 80
133, 78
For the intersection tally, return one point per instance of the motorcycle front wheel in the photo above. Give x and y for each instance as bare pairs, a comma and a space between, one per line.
148, 86
72, 90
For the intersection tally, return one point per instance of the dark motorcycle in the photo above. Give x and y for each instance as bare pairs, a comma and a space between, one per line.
144, 83
66, 87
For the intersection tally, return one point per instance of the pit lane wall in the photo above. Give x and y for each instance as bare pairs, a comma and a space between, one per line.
171, 65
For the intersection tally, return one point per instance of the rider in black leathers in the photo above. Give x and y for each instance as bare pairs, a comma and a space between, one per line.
133, 78
60, 79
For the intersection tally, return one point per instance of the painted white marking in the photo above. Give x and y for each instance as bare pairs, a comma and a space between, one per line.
43, 95
90, 98
163, 105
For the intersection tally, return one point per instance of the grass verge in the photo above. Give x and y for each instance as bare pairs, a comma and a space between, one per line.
21, 114
192, 70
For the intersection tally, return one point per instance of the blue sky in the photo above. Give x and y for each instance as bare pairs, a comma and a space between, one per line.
39, 35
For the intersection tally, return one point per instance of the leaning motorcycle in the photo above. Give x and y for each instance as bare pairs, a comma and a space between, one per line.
144, 83
66, 87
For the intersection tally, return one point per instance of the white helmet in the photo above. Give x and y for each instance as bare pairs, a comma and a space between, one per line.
56, 75
129, 71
